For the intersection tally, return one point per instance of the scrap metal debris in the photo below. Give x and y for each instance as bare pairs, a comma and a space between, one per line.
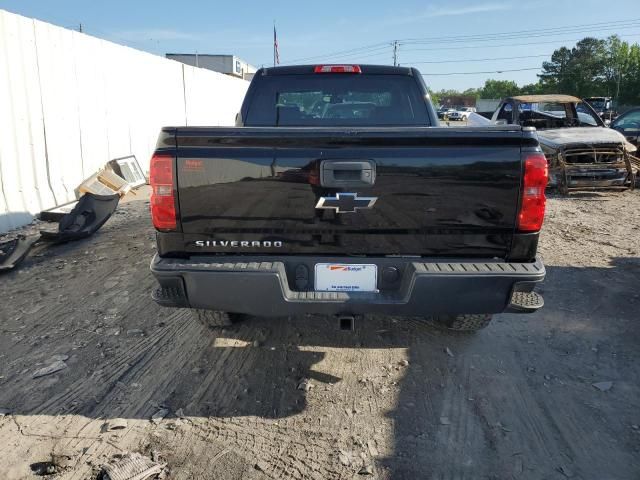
12, 252
91, 212
129, 169
104, 182
55, 465
42, 469
131, 466
55, 214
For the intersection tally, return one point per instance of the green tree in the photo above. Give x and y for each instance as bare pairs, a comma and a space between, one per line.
534, 89
581, 71
556, 72
630, 77
472, 92
437, 96
499, 89
623, 71
594, 67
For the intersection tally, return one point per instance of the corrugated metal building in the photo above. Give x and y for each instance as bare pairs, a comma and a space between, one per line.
456, 101
227, 64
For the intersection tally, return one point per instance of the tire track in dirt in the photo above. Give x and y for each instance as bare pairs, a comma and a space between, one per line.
533, 412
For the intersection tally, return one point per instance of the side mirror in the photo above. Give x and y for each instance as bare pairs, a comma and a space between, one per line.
502, 121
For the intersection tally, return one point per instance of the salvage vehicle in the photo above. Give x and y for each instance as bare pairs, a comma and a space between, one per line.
582, 152
603, 106
628, 124
292, 212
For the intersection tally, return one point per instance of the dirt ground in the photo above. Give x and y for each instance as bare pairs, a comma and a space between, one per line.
297, 398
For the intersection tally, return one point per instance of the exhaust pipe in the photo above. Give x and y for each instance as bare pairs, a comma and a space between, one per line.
346, 323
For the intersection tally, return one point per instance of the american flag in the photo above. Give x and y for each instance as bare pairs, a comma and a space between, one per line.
276, 53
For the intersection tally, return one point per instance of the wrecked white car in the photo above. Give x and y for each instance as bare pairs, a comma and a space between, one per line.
582, 152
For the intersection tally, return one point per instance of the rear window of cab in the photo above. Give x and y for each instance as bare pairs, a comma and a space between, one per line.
337, 100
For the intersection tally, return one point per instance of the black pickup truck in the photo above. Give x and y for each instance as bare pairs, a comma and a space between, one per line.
337, 193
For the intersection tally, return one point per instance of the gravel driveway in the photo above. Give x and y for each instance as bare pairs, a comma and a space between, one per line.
553, 395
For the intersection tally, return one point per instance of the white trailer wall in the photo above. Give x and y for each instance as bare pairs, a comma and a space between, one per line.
70, 102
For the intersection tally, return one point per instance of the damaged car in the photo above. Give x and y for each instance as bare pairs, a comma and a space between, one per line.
604, 107
582, 152
628, 124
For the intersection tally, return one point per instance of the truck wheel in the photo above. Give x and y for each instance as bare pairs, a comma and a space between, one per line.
215, 318
463, 323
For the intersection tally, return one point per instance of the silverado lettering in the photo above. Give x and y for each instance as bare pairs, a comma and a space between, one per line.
452, 236
237, 243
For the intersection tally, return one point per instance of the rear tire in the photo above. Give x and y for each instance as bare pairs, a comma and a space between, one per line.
216, 319
463, 323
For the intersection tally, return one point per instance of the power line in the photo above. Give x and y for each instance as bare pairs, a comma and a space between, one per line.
547, 55
526, 33
562, 28
518, 37
375, 46
482, 59
507, 44
358, 56
378, 52
613, 24
483, 46
474, 73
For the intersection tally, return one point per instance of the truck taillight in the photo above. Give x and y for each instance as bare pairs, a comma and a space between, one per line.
163, 201
532, 205
337, 69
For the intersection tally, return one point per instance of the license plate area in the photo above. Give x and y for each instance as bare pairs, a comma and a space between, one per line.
346, 277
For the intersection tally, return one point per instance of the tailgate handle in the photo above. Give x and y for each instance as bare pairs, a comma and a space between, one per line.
347, 173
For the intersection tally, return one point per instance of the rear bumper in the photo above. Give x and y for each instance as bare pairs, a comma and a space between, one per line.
261, 286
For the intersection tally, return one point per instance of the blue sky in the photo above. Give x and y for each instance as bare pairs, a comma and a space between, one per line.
315, 31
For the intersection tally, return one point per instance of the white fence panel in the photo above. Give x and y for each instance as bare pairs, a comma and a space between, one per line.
92, 102
211, 97
54, 47
24, 187
70, 102
152, 108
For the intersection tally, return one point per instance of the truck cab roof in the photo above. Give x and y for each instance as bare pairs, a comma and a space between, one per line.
307, 69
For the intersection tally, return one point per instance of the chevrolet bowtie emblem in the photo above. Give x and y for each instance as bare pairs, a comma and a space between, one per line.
346, 202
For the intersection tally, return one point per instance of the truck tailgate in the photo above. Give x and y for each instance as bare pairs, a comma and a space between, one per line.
431, 191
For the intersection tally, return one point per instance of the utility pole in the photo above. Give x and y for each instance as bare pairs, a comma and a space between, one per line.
395, 53
618, 86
